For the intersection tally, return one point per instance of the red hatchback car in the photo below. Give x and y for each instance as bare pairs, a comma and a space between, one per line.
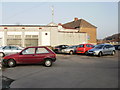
31, 55
83, 48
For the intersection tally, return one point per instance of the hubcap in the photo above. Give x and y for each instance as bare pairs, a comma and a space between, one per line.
47, 63
11, 63
113, 53
1, 54
71, 53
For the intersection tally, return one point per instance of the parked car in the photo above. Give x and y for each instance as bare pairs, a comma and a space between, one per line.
83, 48
57, 49
102, 49
117, 47
31, 55
70, 50
6, 50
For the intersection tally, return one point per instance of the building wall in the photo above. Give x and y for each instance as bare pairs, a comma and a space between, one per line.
1, 38
36, 36
71, 38
91, 34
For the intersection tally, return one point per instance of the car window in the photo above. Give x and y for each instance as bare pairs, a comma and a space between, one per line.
88, 46
81, 45
99, 46
66, 46
13, 48
41, 50
7, 48
108, 46
29, 51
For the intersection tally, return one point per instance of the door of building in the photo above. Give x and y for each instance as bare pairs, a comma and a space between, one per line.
45, 38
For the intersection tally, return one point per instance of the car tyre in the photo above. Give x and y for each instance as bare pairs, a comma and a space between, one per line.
71, 52
11, 63
86, 53
48, 63
100, 54
2, 54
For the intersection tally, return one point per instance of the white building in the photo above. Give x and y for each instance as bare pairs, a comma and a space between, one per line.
37, 35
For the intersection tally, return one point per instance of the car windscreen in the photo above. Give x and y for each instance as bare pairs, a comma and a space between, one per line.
99, 46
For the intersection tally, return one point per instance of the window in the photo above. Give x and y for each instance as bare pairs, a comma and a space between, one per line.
108, 46
7, 48
88, 45
41, 50
29, 51
14, 48
81, 45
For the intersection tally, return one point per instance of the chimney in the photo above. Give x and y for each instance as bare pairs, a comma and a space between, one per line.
75, 19
60, 24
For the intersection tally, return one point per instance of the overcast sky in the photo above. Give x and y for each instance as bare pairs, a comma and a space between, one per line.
103, 15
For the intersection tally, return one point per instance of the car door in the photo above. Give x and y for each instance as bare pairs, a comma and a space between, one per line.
80, 48
88, 47
41, 54
106, 49
14, 49
7, 50
27, 56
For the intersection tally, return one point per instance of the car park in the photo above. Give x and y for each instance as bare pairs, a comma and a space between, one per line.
70, 50
57, 49
83, 48
102, 49
31, 55
6, 50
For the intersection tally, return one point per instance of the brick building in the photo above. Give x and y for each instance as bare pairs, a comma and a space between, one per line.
83, 26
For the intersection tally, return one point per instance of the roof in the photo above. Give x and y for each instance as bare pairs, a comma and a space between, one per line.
26, 26
52, 24
78, 24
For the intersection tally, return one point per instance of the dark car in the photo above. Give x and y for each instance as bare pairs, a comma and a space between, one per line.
117, 47
57, 49
31, 55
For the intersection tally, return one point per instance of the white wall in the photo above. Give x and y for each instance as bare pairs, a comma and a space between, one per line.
72, 38
1, 38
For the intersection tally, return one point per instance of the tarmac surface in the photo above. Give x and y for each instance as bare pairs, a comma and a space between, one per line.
69, 71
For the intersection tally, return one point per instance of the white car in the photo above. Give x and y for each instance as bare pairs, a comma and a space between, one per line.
70, 50
6, 50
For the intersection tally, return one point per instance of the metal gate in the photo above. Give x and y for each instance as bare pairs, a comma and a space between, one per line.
14, 40
31, 40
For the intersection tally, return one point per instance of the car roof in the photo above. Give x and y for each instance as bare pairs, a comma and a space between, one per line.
37, 47
104, 44
86, 44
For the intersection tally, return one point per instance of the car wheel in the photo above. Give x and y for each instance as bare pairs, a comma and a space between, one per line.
11, 63
86, 53
71, 52
113, 52
48, 63
2, 54
100, 54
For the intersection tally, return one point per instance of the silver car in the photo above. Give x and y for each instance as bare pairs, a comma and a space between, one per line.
102, 49
70, 50
6, 50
